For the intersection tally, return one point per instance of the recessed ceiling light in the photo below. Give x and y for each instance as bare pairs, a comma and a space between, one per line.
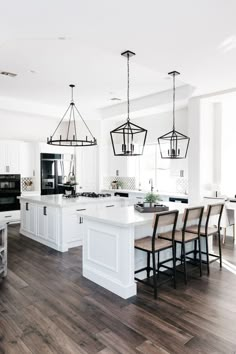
7, 73
115, 99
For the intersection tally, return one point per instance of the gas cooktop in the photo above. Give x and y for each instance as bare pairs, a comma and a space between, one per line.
87, 194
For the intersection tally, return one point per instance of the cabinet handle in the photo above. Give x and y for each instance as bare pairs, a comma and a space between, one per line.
45, 210
8, 216
80, 209
27, 206
139, 197
81, 220
33, 173
7, 168
109, 206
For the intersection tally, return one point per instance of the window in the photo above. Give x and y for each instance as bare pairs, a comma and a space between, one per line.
152, 166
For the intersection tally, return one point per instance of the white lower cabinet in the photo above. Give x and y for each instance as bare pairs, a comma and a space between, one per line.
59, 228
39, 221
47, 223
29, 217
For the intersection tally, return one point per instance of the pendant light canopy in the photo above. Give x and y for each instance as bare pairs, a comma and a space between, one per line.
173, 145
67, 135
128, 139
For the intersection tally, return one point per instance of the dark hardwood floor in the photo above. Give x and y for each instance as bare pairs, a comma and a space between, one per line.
46, 306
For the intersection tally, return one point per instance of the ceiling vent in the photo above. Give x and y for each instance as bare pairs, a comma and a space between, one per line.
7, 73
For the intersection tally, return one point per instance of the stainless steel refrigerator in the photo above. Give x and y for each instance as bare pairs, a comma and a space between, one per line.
57, 172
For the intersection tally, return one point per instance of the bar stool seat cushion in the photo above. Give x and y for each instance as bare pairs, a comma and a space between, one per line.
145, 243
210, 230
178, 236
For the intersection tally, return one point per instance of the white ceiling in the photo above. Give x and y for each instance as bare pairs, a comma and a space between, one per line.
197, 38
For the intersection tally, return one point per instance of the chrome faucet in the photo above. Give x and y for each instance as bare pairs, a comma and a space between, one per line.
151, 182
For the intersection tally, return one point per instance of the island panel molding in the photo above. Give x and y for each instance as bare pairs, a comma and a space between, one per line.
110, 240
120, 279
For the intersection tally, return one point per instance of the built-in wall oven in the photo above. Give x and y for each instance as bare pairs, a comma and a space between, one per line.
10, 187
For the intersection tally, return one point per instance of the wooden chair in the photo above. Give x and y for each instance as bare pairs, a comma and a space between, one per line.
206, 231
182, 237
153, 245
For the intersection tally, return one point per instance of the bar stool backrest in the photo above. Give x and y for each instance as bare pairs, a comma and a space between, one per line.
193, 216
166, 218
214, 210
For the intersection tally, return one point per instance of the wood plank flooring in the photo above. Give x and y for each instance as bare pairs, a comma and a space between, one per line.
46, 306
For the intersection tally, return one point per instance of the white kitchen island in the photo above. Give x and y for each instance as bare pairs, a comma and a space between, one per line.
54, 221
109, 257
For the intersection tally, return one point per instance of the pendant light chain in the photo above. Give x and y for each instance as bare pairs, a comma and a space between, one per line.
72, 95
174, 101
128, 83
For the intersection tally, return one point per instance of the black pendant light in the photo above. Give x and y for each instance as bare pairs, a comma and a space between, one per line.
128, 139
173, 145
68, 136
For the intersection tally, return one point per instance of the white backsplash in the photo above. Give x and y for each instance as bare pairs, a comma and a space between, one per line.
127, 182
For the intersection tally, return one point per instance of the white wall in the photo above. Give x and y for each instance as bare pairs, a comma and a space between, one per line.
205, 147
23, 126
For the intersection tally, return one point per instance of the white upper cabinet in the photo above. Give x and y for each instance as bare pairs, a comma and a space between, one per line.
27, 159
86, 169
9, 157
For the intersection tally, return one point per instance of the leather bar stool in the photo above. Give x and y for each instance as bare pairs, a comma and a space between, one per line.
191, 216
213, 210
154, 245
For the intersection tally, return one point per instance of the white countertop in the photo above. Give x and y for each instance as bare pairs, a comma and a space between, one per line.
57, 200
126, 216
169, 194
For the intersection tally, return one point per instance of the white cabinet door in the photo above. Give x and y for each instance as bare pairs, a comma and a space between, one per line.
9, 157
42, 221
27, 159
29, 217
86, 169
33, 218
25, 216
13, 157
47, 223
2, 157
51, 225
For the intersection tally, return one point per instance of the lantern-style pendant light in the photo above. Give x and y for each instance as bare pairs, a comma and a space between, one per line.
173, 145
128, 139
67, 135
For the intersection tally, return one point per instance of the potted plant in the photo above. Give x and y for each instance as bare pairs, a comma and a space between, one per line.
119, 184
150, 199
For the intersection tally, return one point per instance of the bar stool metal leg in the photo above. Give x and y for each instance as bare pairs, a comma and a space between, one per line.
220, 253
154, 274
185, 265
174, 264
148, 265
207, 256
200, 255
